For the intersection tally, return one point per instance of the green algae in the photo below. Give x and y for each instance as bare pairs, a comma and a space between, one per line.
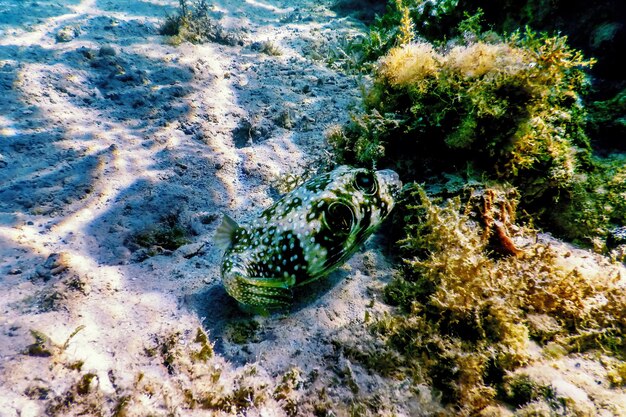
510, 109
594, 204
41, 347
192, 23
465, 315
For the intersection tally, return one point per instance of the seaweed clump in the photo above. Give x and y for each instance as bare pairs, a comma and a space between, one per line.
466, 316
516, 108
496, 122
509, 108
401, 19
192, 23
595, 204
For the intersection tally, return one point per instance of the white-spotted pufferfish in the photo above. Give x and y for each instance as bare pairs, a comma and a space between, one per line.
304, 236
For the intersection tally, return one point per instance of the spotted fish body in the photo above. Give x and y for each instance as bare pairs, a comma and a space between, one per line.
304, 236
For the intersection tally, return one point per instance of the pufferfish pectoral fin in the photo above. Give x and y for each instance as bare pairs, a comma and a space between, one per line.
263, 293
225, 232
268, 282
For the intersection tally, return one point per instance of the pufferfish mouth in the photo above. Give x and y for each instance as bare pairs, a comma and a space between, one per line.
392, 180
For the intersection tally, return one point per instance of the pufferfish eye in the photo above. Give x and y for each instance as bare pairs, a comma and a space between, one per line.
365, 182
339, 218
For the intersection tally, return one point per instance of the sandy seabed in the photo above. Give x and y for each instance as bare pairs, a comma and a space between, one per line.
109, 135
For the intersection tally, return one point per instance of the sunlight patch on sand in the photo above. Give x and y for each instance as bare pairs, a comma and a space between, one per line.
40, 34
85, 6
6, 127
267, 6
26, 236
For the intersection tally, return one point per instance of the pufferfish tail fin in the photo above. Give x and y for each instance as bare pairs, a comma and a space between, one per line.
225, 232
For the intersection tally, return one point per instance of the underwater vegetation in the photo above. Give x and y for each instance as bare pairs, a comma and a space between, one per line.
192, 23
467, 316
448, 23
203, 383
496, 127
607, 123
506, 108
594, 207
596, 28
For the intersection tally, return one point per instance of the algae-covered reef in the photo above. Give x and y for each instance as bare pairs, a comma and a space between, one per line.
595, 29
470, 318
509, 108
192, 23
506, 107
494, 118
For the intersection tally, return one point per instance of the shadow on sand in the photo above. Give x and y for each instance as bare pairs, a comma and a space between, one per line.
119, 101
15, 14
219, 310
